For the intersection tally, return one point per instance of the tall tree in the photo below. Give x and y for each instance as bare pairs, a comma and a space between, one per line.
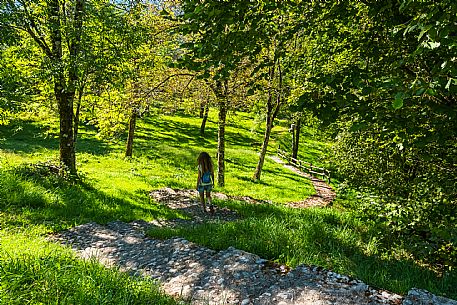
226, 34
214, 65
150, 54
60, 30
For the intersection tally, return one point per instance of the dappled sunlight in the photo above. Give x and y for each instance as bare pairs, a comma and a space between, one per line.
76, 203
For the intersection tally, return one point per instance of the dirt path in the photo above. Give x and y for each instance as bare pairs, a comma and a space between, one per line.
324, 192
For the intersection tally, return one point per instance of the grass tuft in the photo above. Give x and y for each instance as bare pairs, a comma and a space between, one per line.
45, 274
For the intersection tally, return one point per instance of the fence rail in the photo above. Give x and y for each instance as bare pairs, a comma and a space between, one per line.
304, 166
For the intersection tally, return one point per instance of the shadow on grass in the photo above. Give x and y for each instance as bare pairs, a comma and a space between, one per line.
322, 237
179, 143
183, 133
250, 180
29, 137
59, 204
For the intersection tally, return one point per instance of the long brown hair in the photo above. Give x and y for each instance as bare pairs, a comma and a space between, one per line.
205, 162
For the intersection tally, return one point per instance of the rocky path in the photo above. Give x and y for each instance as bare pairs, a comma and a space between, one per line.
203, 276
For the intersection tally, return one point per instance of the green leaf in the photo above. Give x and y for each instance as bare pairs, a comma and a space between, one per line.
425, 29
358, 126
430, 91
398, 101
420, 91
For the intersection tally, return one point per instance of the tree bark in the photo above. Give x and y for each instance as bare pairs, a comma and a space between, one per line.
66, 143
134, 104
77, 112
296, 141
220, 91
205, 118
64, 96
221, 143
263, 151
272, 112
202, 109
132, 125
75, 46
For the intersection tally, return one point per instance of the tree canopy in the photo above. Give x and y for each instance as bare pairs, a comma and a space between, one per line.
379, 76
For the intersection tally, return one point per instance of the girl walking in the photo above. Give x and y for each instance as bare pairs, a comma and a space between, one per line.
205, 180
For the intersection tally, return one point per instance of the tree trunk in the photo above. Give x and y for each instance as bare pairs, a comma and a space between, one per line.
205, 118
292, 131
64, 94
132, 125
66, 143
263, 151
296, 139
272, 112
220, 91
202, 109
134, 104
221, 142
77, 112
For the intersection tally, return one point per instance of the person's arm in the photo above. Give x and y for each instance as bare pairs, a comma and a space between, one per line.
212, 174
198, 177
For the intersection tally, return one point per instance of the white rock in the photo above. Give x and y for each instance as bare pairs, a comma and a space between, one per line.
360, 287
245, 302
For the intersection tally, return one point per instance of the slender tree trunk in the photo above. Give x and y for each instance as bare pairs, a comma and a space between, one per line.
66, 143
220, 90
64, 94
272, 112
132, 125
134, 104
205, 118
292, 131
77, 112
296, 141
202, 109
263, 151
221, 143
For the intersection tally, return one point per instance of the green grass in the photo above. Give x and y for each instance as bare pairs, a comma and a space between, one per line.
35, 272
33, 204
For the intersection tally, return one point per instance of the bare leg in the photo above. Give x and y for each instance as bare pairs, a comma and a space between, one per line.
208, 197
202, 201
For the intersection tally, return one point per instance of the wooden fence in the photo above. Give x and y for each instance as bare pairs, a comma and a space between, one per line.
305, 166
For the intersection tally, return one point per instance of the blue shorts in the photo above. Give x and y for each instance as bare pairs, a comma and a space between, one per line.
202, 188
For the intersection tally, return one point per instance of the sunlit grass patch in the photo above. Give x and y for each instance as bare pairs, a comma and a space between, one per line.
34, 271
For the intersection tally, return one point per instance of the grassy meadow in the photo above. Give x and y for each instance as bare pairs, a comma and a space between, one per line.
34, 203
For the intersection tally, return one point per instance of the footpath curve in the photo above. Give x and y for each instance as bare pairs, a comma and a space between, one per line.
324, 192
